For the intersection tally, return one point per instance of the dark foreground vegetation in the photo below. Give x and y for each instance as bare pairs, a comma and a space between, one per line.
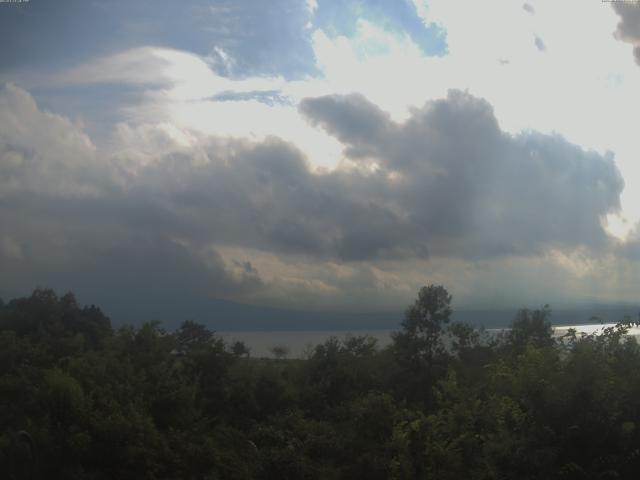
80, 400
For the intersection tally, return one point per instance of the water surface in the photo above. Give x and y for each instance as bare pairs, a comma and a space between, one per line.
299, 342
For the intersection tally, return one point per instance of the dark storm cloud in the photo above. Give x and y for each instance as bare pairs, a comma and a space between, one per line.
69, 219
75, 220
468, 188
629, 26
351, 119
264, 196
135, 263
447, 182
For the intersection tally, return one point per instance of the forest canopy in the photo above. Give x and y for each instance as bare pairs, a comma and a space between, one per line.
83, 400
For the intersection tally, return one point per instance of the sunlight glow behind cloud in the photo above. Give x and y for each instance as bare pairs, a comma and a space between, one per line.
182, 107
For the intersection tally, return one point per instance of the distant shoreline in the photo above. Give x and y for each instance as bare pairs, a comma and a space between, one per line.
297, 341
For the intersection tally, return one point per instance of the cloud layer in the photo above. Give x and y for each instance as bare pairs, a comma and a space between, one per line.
321, 154
467, 188
207, 217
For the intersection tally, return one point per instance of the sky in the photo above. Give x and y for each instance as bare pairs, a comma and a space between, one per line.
321, 155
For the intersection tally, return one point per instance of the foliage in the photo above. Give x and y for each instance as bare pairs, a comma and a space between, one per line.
423, 325
83, 400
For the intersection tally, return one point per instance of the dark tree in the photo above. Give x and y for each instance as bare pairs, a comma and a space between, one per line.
81, 401
423, 324
279, 351
531, 327
192, 336
240, 349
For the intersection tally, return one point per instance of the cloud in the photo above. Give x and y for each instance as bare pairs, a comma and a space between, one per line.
629, 26
135, 267
180, 75
150, 86
37, 147
221, 149
469, 189
264, 195
73, 217
351, 118
252, 220
588, 69
630, 249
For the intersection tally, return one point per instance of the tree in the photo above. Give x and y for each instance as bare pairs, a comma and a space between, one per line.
423, 325
240, 349
531, 327
192, 336
279, 351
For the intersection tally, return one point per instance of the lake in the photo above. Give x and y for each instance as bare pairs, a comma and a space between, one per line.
298, 342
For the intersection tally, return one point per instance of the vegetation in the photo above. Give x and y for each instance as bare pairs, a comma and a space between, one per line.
80, 400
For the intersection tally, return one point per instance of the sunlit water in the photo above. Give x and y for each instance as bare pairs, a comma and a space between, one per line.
299, 343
